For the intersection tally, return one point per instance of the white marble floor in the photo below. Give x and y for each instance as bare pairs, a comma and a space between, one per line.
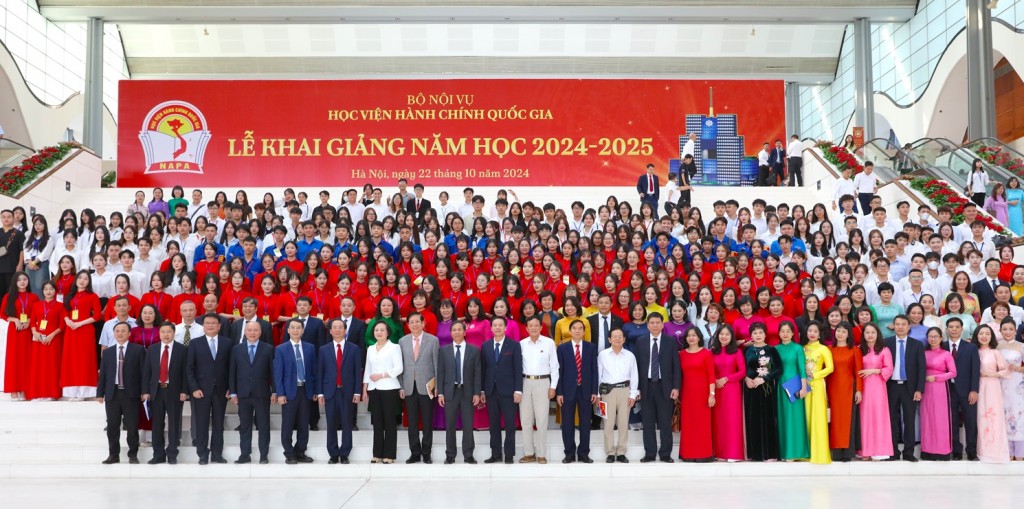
894, 492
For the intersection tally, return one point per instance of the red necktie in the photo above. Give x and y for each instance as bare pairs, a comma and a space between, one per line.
339, 358
417, 205
579, 367
954, 350
650, 184
164, 361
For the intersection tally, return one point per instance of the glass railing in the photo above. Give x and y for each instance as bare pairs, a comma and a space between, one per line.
890, 160
12, 154
1002, 158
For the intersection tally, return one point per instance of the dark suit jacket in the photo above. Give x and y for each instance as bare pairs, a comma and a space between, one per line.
285, 378
203, 372
986, 296
566, 354
470, 370
914, 359
351, 371
235, 331
315, 333
356, 334
134, 357
505, 377
668, 352
417, 213
968, 367
595, 328
776, 157
176, 381
642, 188
254, 380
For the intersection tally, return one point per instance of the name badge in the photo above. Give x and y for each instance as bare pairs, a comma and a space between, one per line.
418, 281
266, 318
23, 318
565, 279
320, 316
60, 298
42, 324
236, 313
295, 315
277, 253
74, 314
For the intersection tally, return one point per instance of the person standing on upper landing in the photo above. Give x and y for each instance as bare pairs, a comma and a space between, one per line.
647, 185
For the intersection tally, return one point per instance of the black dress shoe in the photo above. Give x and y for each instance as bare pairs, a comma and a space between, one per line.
333, 460
892, 458
237, 428
471, 461
414, 459
132, 460
568, 459
203, 461
972, 457
343, 460
957, 457
493, 459
427, 460
218, 459
610, 459
314, 427
111, 460
156, 461
621, 459
647, 459
302, 458
243, 460
172, 461
291, 461
585, 459
666, 459
910, 458
449, 461
509, 460
264, 461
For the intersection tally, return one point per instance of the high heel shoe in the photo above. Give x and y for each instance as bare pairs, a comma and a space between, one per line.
388, 461
375, 460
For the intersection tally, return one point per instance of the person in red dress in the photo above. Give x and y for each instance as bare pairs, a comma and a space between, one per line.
64, 278
47, 323
774, 319
146, 334
78, 368
320, 297
157, 296
696, 398
230, 304
268, 304
187, 281
16, 307
121, 286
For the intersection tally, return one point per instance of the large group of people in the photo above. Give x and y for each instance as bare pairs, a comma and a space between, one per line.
761, 333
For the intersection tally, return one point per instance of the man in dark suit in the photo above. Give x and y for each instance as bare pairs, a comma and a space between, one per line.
294, 362
985, 288
502, 389
165, 390
963, 399
339, 376
315, 333
355, 332
237, 328
458, 390
417, 205
119, 388
905, 387
777, 163
647, 187
251, 384
206, 367
576, 391
657, 360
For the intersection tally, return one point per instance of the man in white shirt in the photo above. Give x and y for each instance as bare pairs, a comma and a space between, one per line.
619, 385
866, 183
690, 146
963, 231
355, 209
540, 376
188, 329
145, 263
379, 207
198, 207
121, 307
762, 165
795, 150
842, 187
138, 283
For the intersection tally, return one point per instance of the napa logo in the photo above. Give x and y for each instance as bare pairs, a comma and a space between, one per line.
174, 137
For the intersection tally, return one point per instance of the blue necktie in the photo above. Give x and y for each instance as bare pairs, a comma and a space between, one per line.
252, 353
903, 360
497, 352
300, 370
458, 364
213, 348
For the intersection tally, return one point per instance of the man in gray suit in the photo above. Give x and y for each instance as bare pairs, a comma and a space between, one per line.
418, 380
458, 383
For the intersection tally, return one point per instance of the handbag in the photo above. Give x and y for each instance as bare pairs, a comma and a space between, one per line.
3, 249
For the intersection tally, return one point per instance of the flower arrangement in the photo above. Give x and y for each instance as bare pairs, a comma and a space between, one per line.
840, 157
23, 174
999, 157
941, 193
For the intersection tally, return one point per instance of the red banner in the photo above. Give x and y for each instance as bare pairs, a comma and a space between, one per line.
439, 132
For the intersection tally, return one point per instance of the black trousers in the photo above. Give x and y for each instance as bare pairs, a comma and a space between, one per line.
656, 410
295, 417
865, 202
498, 408
460, 405
339, 415
209, 410
964, 415
253, 409
796, 171
122, 407
580, 402
902, 414
5, 283
421, 411
777, 175
165, 409
762, 175
314, 413
978, 199
384, 407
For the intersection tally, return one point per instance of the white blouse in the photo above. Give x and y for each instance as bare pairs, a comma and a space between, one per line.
386, 360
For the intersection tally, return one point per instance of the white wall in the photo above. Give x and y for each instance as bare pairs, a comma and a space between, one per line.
51, 196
